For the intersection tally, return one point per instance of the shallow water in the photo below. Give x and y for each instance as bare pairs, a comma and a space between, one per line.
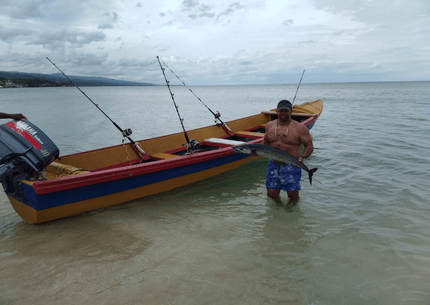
359, 235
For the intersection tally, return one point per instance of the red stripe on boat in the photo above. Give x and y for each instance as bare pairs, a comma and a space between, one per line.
70, 182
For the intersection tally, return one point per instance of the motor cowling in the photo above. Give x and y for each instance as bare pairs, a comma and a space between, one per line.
25, 151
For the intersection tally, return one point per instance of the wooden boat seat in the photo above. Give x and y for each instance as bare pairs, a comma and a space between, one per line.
250, 133
58, 170
224, 141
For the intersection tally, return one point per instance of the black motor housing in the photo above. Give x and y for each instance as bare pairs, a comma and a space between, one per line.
24, 151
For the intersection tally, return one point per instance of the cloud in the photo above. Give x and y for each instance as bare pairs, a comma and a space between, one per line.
232, 9
105, 26
9, 35
307, 41
197, 10
288, 22
25, 10
115, 17
62, 38
189, 5
111, 18
202, 10
89, 59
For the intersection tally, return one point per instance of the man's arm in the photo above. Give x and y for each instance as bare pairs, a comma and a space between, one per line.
17, 116
306, 140
265, 140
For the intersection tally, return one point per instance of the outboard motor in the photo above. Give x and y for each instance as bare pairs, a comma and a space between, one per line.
24, 152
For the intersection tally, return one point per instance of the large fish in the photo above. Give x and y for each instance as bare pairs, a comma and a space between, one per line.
272, 153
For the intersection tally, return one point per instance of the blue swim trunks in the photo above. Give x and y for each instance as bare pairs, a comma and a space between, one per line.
283, 176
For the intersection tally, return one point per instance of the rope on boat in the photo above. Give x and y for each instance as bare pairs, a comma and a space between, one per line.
126, 150
64, 170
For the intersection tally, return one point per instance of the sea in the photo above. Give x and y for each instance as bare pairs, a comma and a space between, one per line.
359, 235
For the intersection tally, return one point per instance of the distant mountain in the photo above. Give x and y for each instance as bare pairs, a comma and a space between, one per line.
79, 80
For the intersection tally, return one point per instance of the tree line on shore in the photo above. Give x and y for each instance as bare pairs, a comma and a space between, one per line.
23, 79
34, 82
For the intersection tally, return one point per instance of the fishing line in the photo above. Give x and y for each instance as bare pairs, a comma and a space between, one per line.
125, 132
190, 144
216, 115
298, 88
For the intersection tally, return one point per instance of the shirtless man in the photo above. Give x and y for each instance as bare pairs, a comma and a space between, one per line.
17, 116
286, 134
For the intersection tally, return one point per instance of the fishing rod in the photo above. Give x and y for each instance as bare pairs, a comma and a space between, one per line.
125, 132
193, 144
216, 115
298, 87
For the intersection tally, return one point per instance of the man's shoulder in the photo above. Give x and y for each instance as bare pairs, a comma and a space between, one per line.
299, 125
300, 128
270, 124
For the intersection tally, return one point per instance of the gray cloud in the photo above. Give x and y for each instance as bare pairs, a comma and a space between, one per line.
59, 39
190, 4
15, 34
198, 10
89, 59
26, 10
307, 41
114, 17
232, 8
202, 10
288, 22
111, 18
105, 26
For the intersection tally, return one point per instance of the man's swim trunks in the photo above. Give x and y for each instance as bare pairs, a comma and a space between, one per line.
283, 176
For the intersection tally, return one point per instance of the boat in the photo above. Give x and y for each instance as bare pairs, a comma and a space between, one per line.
99, 178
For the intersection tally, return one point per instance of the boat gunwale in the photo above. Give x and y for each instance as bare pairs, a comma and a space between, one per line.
101, 176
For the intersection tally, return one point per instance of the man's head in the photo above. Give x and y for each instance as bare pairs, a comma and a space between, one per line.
284, 104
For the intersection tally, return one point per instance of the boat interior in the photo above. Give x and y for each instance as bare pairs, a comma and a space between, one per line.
72, 165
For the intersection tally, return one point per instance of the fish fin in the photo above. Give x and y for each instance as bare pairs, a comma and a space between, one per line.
311, 173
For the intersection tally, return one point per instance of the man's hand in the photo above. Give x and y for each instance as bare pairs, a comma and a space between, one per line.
18, 116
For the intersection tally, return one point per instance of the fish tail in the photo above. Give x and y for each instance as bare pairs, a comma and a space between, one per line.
311, 173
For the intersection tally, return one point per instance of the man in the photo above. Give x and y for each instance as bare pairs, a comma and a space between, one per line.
286, 134
17, 116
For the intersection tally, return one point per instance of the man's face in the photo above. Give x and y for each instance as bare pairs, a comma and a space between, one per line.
283, 114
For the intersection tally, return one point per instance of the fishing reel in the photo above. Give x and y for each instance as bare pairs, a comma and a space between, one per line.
127, 132
217, 121
193, 145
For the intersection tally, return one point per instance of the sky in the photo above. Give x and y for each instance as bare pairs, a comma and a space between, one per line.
225, 42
